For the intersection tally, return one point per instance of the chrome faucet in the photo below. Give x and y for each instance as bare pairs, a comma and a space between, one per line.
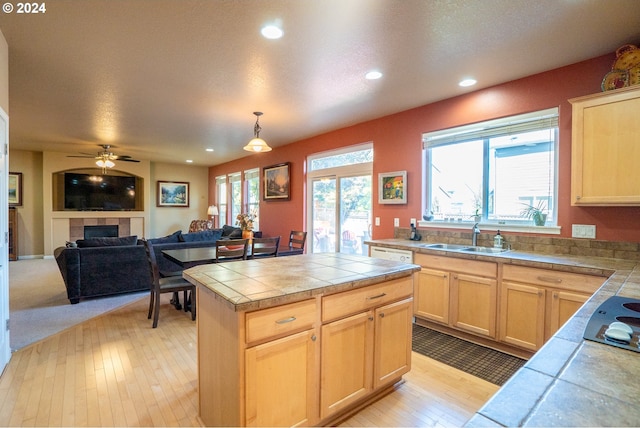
474, 237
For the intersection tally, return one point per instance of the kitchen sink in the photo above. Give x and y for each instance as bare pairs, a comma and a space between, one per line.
450, 247
465, 248
486, 250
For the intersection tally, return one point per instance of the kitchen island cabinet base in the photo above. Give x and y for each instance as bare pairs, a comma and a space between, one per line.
263, 367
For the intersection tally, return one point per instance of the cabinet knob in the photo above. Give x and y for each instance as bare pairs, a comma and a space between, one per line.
370, 318
313, 338
381, 314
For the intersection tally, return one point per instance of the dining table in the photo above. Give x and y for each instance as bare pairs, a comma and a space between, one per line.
190, 257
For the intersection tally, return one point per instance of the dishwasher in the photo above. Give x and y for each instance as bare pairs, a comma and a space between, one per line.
404, 256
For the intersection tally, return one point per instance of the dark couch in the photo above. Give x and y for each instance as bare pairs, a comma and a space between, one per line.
106, 266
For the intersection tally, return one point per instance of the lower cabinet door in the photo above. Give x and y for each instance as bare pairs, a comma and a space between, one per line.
473, 304
347, 362
522, 312
432, 295
563, 305
281, 381
392, 350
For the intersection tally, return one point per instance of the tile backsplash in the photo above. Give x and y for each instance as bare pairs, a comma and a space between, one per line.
535, 244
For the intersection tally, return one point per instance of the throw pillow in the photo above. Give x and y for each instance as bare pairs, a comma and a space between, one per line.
231, 232
107, 242
203, 235
169, 239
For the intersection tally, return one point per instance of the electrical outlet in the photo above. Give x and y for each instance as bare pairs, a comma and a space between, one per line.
396, 222
377, 221
413, 222
583, 231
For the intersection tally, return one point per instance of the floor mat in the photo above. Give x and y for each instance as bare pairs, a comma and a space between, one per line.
488, 364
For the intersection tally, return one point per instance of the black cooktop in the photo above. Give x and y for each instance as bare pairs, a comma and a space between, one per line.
615, 309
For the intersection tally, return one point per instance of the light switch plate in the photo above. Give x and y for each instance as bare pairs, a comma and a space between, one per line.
377, 221
396, 222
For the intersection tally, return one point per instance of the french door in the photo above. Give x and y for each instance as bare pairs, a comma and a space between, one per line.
340, 214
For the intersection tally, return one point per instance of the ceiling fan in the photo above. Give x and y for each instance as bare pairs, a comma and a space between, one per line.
105, 159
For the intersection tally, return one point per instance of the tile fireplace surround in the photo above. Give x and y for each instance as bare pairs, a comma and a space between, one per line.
76, 226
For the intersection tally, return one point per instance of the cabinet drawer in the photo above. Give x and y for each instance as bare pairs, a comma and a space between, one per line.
549, 278
278, 321
350, 302
452, 264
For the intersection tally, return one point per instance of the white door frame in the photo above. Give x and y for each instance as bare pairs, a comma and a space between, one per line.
5, 346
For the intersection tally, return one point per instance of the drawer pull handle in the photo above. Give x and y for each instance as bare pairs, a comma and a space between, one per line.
286, 320
377, 296
550, 279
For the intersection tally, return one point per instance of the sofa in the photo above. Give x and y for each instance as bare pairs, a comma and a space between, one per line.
106, 266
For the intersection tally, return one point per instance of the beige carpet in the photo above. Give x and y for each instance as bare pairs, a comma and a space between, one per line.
38, 304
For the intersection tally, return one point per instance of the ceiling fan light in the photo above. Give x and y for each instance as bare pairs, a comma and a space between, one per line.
101, 163
109, 164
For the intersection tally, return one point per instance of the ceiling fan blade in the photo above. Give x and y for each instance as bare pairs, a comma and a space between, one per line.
78, 156
127, 159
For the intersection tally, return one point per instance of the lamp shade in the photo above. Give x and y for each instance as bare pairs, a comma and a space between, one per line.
257, 145
212, 210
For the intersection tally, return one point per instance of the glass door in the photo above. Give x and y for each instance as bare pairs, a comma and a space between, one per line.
323, 215
355, 214
339, 201
341, 214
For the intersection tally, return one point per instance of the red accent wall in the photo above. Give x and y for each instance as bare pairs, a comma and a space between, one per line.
397, 143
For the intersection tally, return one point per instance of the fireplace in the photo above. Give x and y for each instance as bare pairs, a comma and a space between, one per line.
101, 231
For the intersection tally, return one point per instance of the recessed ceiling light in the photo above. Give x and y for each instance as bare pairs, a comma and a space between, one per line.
373, 75
209, 150
189, 161
271, 32
467, 82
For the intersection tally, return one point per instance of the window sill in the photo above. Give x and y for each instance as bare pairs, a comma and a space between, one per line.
544, 230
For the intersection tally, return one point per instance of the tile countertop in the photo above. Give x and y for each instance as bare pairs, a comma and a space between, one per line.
257, 284
569, 381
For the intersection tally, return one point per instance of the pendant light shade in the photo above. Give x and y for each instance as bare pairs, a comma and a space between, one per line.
257, 144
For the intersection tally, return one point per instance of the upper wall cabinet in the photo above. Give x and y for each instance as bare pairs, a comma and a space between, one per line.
605, 149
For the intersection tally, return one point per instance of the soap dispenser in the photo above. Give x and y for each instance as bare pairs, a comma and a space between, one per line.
497, 240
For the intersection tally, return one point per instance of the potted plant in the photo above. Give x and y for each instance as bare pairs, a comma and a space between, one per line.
536, 213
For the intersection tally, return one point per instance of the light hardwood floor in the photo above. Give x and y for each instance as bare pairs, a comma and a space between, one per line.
115, 370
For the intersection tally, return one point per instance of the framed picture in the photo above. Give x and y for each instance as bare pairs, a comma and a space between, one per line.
15, 189
276, 179
173, 194
392, 187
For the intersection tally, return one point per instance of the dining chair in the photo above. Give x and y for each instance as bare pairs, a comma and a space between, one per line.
231, 249
160, 285
297, 239
265, 247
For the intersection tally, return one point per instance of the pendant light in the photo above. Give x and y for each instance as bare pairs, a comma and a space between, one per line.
257, 144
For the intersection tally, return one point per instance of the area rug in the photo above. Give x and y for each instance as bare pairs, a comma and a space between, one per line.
486, 363
38, 303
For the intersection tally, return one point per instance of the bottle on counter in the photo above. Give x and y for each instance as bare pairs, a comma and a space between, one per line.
498, 240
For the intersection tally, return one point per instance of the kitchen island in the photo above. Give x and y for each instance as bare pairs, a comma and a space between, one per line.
300, 340
570, 381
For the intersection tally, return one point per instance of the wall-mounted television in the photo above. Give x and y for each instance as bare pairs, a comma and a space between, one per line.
89, 190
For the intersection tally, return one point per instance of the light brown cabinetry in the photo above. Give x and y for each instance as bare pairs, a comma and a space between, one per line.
605, 148
431, 296
301, 363
13, 234
368, 350
460, 293
288, 365
535, 302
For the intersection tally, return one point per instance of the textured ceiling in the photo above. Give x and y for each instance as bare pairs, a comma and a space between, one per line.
165, 79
